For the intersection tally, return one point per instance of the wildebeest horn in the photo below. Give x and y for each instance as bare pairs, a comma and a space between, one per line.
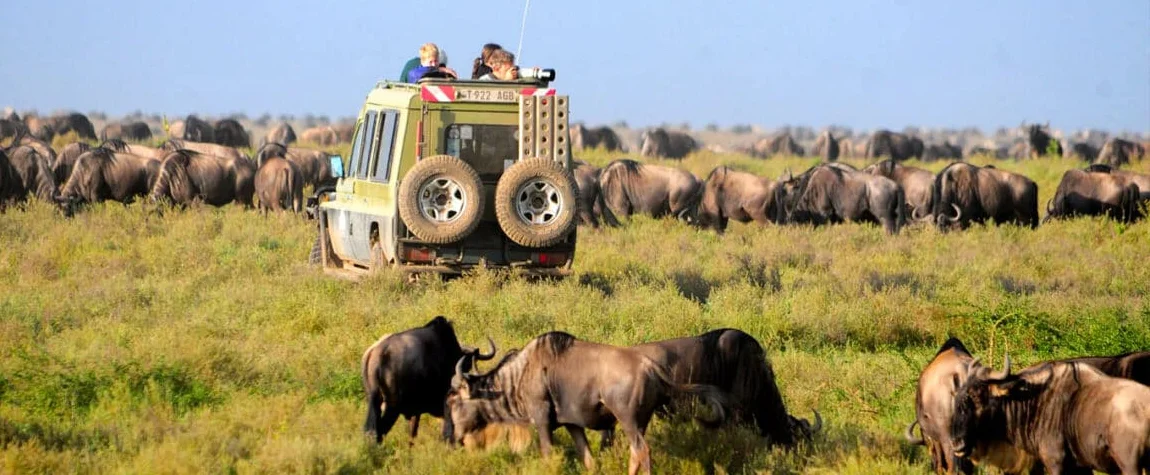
909, 434
457, 380
1006, 366
482, 357
972, 364
957, 213
818, 423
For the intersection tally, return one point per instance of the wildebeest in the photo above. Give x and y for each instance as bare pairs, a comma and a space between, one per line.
832, 194
1117, 152
198, 130
39, 128
136, 130
62, 169
826, 146
735, 363
229, 132
282, 133
314, 165
10, 187
934, 411
1086, 193
1125, 176
73, 122
630, 187
1134, 365
279, 186
780, 144
9, 128
135, 149
321, 135
977, 194
945, 151
559, 381
1041, 142
1070, 416
590, 198
33, 173
661, 143
103, 174
206, 148
915, 183
344, 131
43, 148
1082, 150
409, 373
186, 176
592, 137
893, 145
730, 194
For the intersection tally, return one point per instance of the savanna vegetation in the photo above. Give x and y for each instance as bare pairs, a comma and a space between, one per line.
200, 341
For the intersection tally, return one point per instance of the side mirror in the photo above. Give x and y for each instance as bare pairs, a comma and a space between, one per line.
336, 166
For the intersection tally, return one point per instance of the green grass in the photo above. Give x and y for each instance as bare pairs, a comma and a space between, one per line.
201, 342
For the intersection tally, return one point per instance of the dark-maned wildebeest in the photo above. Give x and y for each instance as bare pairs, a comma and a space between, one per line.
229, 132
408, 374
282, 133
559, 381
1071, 416
934, 410
1125, 176
9, 128
1041, 142
977, 194
630, 187
826, 146
187, 176
198, 130
223, 151
321, 135
1134, 365
62, 169
780, 144
103, 174
1081, 150
33, 172
735, 363
137, 131
1086, 193
279, 186
729, 194
893, 145
39, 128
314, 165
945, 151
11, 189
661, 143
1117, 152
593, 137
42, 147
830, 193
73, 122
915, 184
590, 198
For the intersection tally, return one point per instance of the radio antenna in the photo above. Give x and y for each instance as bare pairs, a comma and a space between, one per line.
522, 29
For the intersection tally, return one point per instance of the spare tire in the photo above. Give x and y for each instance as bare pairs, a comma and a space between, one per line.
441, 199
536, 201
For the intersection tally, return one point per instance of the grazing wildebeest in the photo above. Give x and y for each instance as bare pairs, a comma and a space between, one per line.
33, 171
1041, 142
1134, 365
1117, 152
279, 186
320, 135
314, 165
282, 133
1086, 193
661, 143
629, 187
915, 184
135, 149
893, 145
1143, 181
830, 193
73, 122
9, 128
43, 148
39, 128
103, 174
223, 151
826, 146
729, 194
1082, 150
590, 198
559, 381
62, 169
1071, 416
934, 410
344, 131
230, 133
977, 194
592, 137
409, 373
186, 176
945, 151
137, 131
735, 363
198, 130
780, 144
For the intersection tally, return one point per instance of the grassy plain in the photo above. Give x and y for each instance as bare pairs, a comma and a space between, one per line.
200, 341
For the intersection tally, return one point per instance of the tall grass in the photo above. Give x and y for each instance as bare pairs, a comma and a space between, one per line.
200, 341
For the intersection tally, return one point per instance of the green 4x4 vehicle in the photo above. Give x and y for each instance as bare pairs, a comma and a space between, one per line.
449, 175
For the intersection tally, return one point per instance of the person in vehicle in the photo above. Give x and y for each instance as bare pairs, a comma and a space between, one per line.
503, 67
432, 63
481, 66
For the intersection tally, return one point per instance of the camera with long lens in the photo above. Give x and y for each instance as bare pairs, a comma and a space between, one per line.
540, 74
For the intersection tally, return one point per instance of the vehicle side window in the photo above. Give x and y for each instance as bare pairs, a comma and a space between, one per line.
369, 124
360, 144
382, 170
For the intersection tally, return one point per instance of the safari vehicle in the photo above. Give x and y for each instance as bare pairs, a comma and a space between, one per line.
450, 175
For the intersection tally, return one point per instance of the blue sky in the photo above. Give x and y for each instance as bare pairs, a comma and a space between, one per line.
861, 63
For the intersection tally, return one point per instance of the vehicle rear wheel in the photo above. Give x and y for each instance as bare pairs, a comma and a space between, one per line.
441, 199
536, 201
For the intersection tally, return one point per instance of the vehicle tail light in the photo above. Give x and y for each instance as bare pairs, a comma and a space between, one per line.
418, 254
550, 258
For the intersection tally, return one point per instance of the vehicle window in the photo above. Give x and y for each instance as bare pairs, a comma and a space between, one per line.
360, 144
369, 123
386, 141
487, 148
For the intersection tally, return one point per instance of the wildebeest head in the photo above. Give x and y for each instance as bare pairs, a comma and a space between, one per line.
463, 412
978, 413
270, 150
86, 182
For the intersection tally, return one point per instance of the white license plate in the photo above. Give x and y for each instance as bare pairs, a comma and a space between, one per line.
485, 95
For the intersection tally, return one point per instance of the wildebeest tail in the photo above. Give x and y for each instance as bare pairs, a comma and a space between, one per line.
713, 396
899, 209
46, 186
613, 190
373, 393
1131, 203
603, 211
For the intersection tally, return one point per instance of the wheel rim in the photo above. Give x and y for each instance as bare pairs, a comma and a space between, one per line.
442, 200
538, 202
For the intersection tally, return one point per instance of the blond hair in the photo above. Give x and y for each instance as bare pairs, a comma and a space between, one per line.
501, 56
429, 52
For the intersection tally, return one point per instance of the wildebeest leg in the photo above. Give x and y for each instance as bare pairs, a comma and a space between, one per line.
606, 438
640, 452
413, 426
383, 423
580, 437
542, 419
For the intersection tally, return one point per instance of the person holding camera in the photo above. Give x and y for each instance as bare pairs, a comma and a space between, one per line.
503, 67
